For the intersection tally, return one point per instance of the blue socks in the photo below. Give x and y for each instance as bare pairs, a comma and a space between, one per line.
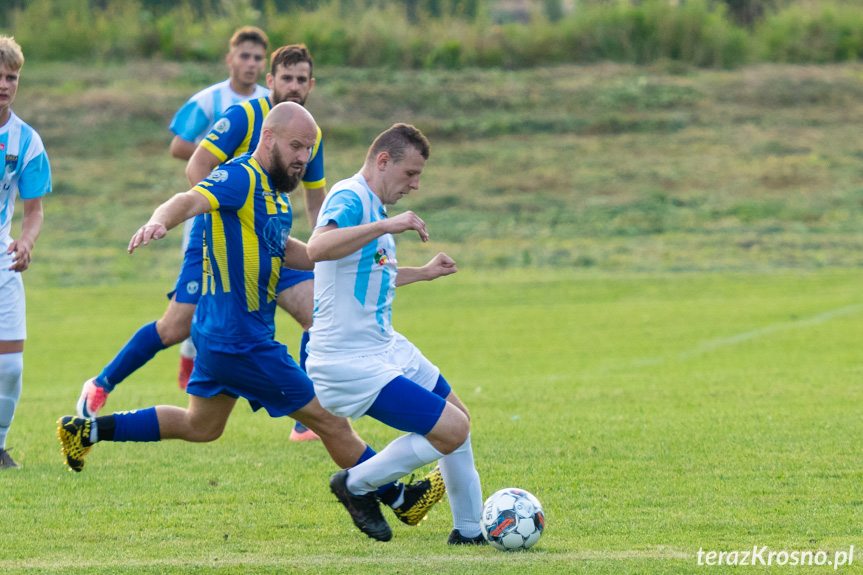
138, 351
139, 425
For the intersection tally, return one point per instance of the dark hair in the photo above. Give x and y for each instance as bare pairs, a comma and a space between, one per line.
290, 55
249, 34
395, 142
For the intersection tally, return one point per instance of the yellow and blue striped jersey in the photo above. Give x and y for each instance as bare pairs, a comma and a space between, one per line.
245, 235
239, 130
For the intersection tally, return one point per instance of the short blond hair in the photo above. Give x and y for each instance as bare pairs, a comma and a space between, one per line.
11, 55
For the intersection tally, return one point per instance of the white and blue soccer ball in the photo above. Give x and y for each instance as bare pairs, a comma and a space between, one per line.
512, 519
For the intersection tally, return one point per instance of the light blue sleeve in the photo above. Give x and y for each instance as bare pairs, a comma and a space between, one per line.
190, 122
35, 180
344, 207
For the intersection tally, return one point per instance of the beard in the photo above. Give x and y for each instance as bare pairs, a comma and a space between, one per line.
280, 177
279, 97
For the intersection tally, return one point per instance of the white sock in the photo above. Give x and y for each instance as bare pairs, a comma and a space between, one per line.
187, 348
399, 458
463, 489
11, 368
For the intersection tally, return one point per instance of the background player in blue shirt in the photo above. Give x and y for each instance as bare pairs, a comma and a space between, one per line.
234, 134
247, 241
26, 173
246, 60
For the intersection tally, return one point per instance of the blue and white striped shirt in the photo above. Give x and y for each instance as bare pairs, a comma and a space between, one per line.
199, 114
26, 172
354, 295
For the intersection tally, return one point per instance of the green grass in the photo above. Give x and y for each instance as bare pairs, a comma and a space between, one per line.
655, 325
652, 415
608, 167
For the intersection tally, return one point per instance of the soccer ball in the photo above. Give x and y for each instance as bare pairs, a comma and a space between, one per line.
512, 519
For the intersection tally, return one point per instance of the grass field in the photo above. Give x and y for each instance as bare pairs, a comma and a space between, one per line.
655, 325
653, 415
607, 167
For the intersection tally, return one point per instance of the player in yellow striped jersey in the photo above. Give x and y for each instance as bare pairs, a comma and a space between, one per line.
238, 131
247, 241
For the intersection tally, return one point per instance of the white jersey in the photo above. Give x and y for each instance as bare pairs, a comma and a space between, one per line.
26, 173
199, 114
354, 295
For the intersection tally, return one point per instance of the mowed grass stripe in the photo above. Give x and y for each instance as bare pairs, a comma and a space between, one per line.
637, 468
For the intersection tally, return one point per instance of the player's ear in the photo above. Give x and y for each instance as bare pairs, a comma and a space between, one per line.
383, 159
268, 137
271, 80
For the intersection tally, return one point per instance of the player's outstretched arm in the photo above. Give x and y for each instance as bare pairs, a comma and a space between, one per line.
439, 266
170, 214
296, 256
31, 225
331, 242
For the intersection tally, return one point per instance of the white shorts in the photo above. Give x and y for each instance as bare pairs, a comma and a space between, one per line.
13, 326
347, 386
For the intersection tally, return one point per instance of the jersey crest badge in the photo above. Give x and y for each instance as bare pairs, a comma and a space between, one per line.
218, 176
222, 125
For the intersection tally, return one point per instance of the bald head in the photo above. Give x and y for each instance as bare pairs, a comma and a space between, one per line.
289, 115
288, 135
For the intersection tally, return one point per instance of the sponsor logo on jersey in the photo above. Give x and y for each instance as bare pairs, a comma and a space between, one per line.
219, 175
381, 257
275, 238
2, 146
222, 125
11, 162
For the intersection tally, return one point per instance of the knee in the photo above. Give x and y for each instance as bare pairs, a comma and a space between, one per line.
329, 427
11, 369
205, 434
303, 314
172, 330
454, 437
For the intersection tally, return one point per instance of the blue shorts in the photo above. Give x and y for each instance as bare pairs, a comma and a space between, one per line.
188, 285
262, 372
407, 406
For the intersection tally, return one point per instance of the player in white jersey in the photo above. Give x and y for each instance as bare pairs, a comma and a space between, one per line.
26, 172
360, 365
246, 60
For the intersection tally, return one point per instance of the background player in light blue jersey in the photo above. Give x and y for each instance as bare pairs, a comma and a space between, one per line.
360, 365
26, 173
290, 80
246, 60
247, 240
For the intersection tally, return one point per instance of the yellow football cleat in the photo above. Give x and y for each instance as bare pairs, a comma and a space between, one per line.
420, 497
74, 435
